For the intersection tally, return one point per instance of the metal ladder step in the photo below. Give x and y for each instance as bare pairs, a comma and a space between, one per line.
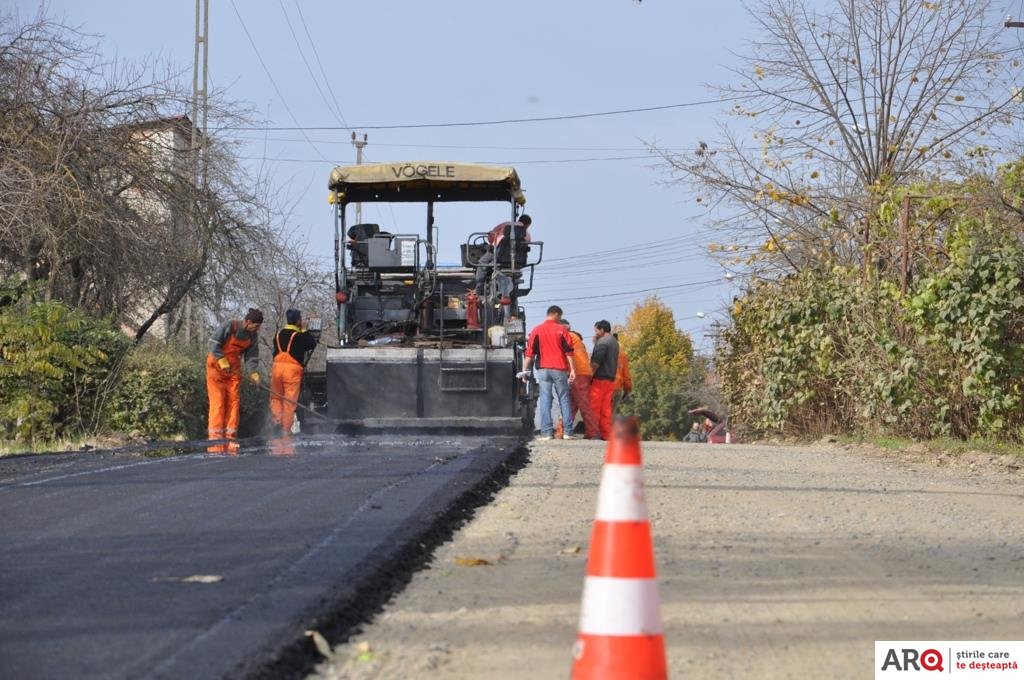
479, 383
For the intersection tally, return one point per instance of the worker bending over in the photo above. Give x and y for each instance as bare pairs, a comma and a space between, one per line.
292, 346
580, 389
605, 363
231, 343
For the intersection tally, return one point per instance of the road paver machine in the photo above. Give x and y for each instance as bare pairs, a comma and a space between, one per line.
425, 346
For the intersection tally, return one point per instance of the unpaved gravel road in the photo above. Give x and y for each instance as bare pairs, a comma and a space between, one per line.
773, 563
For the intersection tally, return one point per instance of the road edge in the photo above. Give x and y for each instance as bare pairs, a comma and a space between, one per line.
339, 618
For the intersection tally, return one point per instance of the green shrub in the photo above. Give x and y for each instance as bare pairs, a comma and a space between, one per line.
255, 409
57, 366
161, 394
830, 352
661, 362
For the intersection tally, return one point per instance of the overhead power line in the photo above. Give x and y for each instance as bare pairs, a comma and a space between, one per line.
625, 270
309, 69
675, 254
617, 252
530, 161
320, 65
476, 147
605, 306
478, 123
270, 77
596, 296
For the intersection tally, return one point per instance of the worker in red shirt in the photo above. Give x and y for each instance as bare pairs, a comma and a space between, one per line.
549, 347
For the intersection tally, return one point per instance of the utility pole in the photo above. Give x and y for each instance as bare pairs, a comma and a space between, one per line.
197, 138
360, 144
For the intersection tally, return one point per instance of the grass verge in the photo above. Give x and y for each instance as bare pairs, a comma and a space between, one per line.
949, 446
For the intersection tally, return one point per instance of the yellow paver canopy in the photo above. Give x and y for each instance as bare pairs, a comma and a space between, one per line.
420, 181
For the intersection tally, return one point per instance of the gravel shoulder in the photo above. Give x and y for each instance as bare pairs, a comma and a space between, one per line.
774, 562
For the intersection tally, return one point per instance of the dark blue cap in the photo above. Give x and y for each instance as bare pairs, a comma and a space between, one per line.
293, 316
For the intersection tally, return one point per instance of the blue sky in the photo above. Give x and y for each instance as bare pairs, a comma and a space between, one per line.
414, 62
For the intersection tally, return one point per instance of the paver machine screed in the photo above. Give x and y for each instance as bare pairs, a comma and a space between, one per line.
419, 347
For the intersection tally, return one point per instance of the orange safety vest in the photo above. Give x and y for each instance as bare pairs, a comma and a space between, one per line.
233, 348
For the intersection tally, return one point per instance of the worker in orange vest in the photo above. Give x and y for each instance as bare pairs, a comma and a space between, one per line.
292, 346
230, 344
580, 389
623, 378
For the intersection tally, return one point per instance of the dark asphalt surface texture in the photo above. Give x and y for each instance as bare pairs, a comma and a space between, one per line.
94, 548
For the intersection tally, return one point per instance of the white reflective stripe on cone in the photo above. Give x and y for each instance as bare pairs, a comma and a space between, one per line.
621, 495
620, 606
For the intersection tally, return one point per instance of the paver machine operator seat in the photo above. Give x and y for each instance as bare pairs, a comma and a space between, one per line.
503, 252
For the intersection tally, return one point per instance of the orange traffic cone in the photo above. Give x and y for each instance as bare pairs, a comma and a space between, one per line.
620, 633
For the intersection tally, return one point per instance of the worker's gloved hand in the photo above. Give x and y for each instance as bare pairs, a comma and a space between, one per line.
255, 378
524, 375
224, 364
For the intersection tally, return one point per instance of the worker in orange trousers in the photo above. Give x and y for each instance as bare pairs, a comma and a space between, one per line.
604, 361
234, 342
579, 391
292, 346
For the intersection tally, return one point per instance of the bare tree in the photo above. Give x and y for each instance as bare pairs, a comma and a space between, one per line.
97, 199
836, 108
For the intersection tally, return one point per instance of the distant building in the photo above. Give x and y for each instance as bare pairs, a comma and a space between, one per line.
169, 141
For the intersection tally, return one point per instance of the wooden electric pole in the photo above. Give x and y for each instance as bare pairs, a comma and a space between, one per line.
197, 136
360, 144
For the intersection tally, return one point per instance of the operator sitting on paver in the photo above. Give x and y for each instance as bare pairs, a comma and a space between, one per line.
232, 341
292, 346
494, 238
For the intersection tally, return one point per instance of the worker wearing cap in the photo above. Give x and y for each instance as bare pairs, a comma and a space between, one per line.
292, 346
605, 363
232, 343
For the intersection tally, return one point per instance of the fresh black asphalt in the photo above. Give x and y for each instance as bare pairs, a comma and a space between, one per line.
95, 547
